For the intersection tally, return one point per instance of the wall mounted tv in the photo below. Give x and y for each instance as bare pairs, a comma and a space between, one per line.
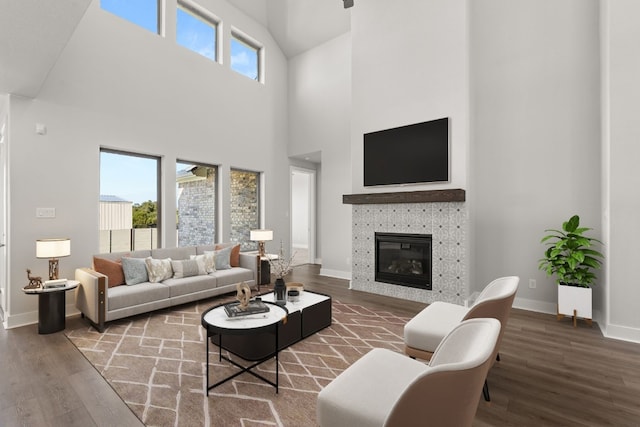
408, 154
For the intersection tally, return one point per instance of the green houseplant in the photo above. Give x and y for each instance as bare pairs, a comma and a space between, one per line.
570, 256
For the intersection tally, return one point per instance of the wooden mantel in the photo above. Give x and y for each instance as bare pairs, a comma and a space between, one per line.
429, 196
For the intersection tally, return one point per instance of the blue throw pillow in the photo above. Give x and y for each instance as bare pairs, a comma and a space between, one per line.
135, 270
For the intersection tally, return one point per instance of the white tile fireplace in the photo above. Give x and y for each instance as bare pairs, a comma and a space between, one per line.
439, 213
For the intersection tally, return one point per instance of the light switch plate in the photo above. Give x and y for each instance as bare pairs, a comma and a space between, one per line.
45, 212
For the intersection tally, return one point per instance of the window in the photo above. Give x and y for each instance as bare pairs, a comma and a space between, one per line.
196, 31
196, 198
141, 12
245, 207
245, 56
129, 196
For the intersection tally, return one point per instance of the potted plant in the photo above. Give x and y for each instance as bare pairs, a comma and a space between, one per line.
280, 267
571, 258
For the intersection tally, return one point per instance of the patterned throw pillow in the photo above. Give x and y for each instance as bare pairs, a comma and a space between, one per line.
187, 268
111, 269
208, 260
135, 270
158, 269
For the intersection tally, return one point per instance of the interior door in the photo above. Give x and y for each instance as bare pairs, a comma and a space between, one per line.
3, 205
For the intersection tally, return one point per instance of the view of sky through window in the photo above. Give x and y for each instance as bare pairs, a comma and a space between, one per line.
196, 34
131, 178
244, 59
141, 12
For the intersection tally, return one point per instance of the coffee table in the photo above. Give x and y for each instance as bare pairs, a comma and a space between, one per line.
306, 317
219, 325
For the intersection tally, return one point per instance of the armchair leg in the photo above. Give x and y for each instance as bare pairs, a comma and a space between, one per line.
485, 391
498, 357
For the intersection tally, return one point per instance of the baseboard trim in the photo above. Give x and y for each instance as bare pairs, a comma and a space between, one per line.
623, 333
338, 274
534, 305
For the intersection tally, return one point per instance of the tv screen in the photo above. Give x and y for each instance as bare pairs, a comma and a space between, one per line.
407, 154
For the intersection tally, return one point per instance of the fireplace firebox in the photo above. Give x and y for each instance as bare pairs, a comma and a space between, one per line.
403, 259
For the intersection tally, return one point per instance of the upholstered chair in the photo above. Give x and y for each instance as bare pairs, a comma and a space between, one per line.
425, 331
385, 388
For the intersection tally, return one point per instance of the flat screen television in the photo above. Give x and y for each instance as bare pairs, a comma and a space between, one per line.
408, 154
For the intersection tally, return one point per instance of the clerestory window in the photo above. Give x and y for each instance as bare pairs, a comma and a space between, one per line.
197, 30
143, 13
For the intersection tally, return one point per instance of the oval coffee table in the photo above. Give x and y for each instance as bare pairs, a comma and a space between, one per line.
216, 322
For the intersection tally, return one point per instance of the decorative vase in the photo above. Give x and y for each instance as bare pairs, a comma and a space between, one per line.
280, 292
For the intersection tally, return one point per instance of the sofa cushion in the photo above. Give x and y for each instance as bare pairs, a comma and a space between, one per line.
135, 270
208, 260
187, 268
158, 269
178, 287
233, 275
174, 253
234, 257
111, 269
130, 296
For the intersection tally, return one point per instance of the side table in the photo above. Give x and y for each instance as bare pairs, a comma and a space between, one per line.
51, 306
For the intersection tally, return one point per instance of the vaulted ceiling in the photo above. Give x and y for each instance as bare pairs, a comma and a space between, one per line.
33, 33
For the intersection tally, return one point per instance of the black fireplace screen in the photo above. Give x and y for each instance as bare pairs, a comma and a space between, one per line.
404, 259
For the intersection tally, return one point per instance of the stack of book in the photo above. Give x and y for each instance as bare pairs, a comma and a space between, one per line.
255, 307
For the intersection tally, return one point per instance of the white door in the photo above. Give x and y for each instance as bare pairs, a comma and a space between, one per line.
303, 215
3, 204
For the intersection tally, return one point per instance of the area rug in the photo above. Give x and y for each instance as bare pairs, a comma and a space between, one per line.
156, 364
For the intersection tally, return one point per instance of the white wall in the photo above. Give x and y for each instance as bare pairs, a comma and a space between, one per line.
118, 86
319, 121
621, 59
535, 144
410, 65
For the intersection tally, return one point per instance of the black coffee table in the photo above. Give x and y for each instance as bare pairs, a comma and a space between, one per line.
219, 325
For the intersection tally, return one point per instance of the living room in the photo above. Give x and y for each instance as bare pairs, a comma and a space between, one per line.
540, 95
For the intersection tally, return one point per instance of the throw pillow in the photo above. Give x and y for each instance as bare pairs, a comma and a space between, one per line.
234, 257
135, 270
111, 269
208, 260
187, 268
158, 269
222, 258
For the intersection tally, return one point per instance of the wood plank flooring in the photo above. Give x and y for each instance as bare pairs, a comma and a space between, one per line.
550, 373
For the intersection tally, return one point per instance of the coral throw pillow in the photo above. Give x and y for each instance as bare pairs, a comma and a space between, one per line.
111, 269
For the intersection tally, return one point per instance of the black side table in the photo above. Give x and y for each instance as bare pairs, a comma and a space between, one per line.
51, 306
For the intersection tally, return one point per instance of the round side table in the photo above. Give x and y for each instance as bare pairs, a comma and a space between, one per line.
51, 306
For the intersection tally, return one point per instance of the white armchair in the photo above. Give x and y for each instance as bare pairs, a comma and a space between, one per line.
425, 331
384, 388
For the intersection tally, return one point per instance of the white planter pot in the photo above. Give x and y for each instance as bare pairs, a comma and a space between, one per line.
574, 301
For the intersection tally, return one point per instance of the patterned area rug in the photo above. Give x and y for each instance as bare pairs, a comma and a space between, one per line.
156, 364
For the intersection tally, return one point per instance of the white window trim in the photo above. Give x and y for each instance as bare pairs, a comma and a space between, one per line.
209, 17
259, 47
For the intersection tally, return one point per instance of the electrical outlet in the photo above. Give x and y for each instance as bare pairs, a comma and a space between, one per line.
532, 283
45, 212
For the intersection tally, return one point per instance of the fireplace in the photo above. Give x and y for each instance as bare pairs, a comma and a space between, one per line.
403, 259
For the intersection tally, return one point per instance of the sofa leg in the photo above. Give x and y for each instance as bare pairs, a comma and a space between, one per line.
485, 391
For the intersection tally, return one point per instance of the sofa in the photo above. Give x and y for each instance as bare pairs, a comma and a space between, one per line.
116, 286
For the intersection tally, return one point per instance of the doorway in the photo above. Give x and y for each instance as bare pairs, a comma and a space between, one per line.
303, 208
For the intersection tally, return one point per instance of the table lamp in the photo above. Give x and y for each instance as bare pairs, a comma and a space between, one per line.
53, 249
261, 236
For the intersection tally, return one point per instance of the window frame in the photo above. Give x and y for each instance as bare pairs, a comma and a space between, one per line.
159, 190
208, 17
216, 200
252, 43
259, 194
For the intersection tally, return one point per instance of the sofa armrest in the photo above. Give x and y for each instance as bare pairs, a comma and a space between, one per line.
250, 261
91, 296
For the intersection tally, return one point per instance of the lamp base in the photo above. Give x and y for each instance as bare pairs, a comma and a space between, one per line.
53, 269
260, 249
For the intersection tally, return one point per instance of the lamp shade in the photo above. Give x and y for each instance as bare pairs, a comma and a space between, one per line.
53, 248
261, 235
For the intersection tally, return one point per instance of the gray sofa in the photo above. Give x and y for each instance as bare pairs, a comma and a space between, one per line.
100, 303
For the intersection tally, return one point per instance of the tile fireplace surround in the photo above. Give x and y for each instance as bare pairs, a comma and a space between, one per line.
441, 213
